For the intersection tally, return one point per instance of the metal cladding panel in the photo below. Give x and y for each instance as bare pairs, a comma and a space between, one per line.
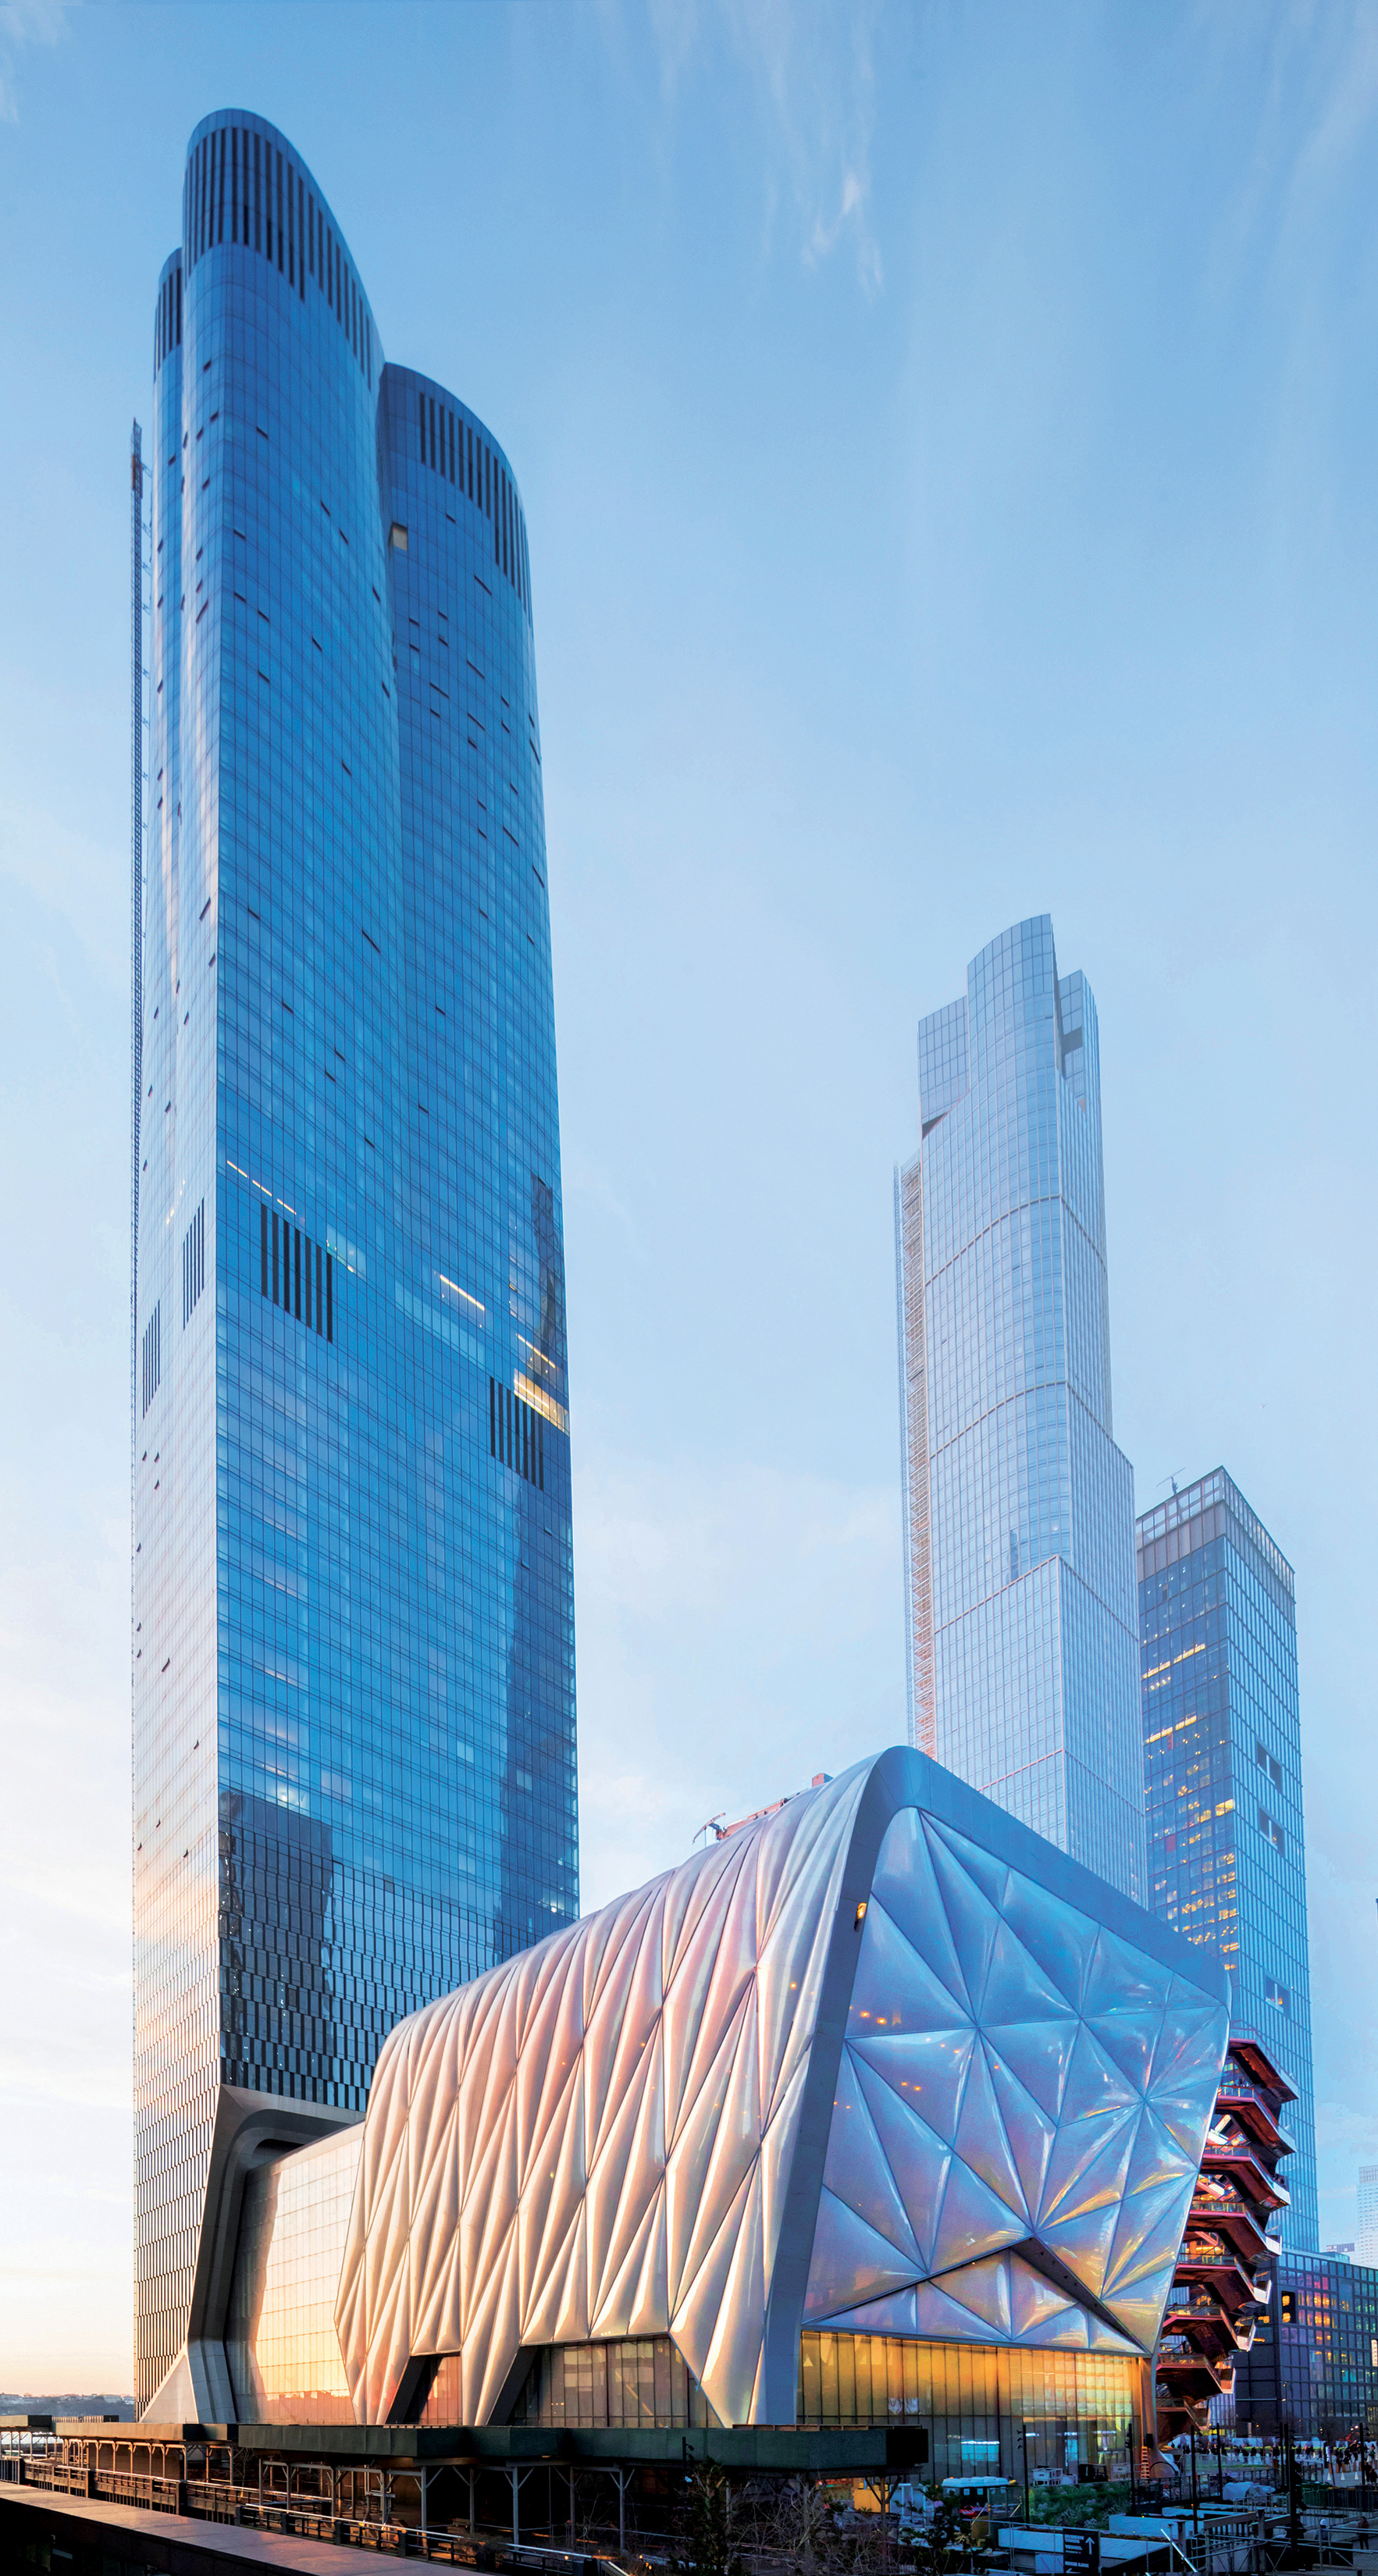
887, 2024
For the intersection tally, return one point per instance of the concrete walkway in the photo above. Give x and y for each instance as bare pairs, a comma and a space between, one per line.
175, 2542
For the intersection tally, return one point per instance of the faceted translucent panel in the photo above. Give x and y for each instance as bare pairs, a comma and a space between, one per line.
910, 2148
1002, 2301
857, 2169
1063, 2103
596, 2139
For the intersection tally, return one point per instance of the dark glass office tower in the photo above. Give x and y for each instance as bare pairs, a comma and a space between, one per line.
354, 1741
1222, 1766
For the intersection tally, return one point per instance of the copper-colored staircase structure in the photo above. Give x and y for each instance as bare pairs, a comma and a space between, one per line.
1227, 2265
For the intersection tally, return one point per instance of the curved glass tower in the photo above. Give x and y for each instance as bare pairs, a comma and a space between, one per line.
354, 1740
1018, 1507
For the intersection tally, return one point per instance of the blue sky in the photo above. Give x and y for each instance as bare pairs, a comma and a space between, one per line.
947, 440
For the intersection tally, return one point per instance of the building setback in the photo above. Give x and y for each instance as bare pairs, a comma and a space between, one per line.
354, 1755
1018, 1507
1222, 1765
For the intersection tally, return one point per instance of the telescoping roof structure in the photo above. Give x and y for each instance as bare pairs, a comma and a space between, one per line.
884, 2061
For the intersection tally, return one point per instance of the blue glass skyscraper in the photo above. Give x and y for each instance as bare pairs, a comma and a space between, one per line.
354, 1736
1018, 1507
1222, 1761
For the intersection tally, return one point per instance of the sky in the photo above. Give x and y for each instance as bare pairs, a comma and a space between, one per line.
947, 443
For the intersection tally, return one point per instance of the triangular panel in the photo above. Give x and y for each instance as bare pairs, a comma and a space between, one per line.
857, 2171
851, 2262
1130, 2038
894, 1989
972, 2221
1125, 1980
1027, 2127
984, 2288
918, 2160
981, 2141
1061, 1940
1039, 2053
1017, 1988
942, 2320
905, 1885
928, 2072
972, 1919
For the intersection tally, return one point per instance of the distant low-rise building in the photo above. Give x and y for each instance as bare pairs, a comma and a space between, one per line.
1328, 2345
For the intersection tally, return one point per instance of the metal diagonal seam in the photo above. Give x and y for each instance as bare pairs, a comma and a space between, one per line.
1060, 2277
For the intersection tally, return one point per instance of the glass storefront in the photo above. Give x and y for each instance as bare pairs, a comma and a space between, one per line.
975, 2401
639, 2380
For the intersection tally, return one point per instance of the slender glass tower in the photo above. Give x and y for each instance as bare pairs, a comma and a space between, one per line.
1222, 1765
354, 1738
1018, 1507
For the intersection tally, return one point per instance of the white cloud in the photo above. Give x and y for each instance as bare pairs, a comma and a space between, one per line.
813, 74
851, 210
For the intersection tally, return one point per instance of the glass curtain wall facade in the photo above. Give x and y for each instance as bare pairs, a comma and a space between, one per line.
978, 2409
1222, 1766
1018, 1507
354, 1732
1366, 2240
1328, 2333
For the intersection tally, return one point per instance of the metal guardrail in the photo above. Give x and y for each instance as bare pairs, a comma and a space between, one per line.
305, 2518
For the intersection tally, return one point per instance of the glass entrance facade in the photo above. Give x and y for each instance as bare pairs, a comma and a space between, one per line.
1078, 2409
354, 1728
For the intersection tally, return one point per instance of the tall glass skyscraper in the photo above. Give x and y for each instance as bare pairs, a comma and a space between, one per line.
1018, 1507
1222, 1763
354, 1734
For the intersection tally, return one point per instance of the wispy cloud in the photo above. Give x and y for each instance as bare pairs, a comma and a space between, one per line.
1349, 100
25, 22
1313, 80
813, 74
